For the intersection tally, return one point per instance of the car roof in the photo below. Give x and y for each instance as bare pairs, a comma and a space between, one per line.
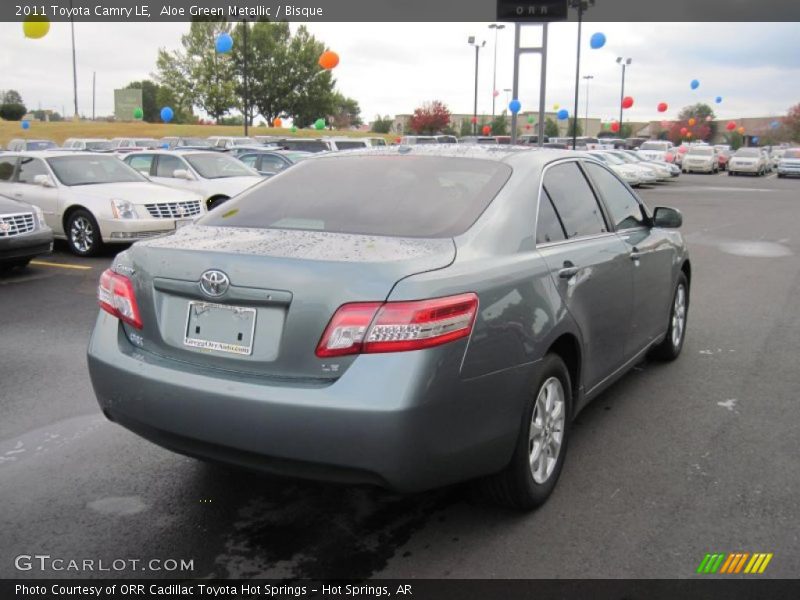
57, 152
177, 151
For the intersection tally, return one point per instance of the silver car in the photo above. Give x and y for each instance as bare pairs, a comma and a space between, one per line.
408, 317
789, 164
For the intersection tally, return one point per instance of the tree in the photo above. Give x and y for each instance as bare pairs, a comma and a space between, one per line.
431, 117
704, 127
382, 124
466, 128
175, 85
551, 128
12, 107
500, 124
573, 125
150, 106
791, 123
346, 112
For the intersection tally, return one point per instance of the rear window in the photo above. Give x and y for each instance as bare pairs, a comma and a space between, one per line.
748, 152
399, 196
791, 154
660, 146
348, 144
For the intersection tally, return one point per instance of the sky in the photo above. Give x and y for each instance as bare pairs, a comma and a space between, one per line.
391, 68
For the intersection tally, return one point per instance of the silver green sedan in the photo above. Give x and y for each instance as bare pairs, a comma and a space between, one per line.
408, 317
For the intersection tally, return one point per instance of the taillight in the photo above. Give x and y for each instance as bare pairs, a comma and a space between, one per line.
116, 297
371, 327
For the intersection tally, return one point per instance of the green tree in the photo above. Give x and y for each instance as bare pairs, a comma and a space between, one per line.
572, 126
734, 139
500, 124
466, 128
704, 128
551, 128
346, 112
12, 108
382, 124
150, 106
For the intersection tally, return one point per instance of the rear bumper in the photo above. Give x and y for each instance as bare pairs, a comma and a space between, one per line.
26, 245
791, 171
404, 421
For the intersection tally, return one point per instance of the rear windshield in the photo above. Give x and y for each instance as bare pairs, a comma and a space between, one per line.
41, 145
791, 154
306, 145
661, 146
400, 196
748, 152
701, 151
348, 144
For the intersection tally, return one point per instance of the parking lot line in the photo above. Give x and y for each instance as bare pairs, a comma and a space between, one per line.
44, 263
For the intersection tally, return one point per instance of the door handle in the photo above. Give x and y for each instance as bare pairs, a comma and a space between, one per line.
568, 271
635, 254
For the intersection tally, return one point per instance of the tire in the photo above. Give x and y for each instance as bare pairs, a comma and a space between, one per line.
780, 175
520, 485
731, 173
670, 348
216, 201
83, 234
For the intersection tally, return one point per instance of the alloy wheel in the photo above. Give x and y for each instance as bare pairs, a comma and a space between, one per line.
546, 431
678, 316
81, 234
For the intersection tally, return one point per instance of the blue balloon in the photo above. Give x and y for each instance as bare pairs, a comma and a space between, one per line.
167, 114
695, 84
26, 124
514, 106
598, 40
224, 43
563, 114
775, 124
165, 146
718, 99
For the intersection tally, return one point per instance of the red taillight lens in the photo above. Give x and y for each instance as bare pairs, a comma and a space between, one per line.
398, 326
115, 295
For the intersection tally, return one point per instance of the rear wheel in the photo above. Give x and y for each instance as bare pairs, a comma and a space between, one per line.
83, 234
671, 347
531, 476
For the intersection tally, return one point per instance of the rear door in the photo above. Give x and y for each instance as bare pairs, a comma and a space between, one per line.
650, 253
589, 265
26, 190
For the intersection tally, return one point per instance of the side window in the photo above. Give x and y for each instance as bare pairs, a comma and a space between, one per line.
548, 225
624, 208
30, 168
141, 163
7, 165
167, 165
249, 160
574, 200
273, 164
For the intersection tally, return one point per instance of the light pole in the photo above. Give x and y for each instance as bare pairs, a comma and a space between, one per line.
624, 62
587, 78
75, 116
581, 6
472, 42
496, 27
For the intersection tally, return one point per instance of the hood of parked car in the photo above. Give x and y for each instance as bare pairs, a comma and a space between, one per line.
137, 192
8, 206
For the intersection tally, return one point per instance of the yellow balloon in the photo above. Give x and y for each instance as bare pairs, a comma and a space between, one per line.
555, 106
36, 27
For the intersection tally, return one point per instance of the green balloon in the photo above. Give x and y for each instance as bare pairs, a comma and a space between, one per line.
319, 124
138, 113
293, 129
531, 119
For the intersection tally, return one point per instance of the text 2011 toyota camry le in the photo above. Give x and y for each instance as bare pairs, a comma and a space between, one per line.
408, 317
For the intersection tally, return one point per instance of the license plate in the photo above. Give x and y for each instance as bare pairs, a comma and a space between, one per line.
220, 327
183, 223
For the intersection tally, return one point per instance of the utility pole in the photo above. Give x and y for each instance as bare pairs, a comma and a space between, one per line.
75, 116
581, 6
472, 42
587, 78
246, 83
94, 91
496, 27
624, 62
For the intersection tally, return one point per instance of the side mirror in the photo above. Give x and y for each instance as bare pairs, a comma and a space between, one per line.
666, 217
182, 174
44, 181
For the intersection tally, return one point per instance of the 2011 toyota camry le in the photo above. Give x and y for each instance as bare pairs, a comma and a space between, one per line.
409, 317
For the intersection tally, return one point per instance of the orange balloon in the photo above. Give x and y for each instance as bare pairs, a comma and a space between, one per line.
688, 134
692, 121
328, 60
741, 129
277, 122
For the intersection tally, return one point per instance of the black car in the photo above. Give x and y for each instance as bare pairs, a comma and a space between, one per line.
270, 162
23, 233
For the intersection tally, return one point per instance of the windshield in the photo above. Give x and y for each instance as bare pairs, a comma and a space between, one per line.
194, 142
147, 143
98, 145
400, 196
41, 145
244, 141
795, 153
599, 156
348, 144
748, 152
217, 166
695, 151
613, 159
660, 146
91, 170
624, 157
296, 156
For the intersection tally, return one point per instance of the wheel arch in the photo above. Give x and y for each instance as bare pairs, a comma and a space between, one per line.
568, 348
211, 199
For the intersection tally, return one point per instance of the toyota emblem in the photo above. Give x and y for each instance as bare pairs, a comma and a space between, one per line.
214, 283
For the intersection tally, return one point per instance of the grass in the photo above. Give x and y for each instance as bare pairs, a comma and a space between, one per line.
60, 131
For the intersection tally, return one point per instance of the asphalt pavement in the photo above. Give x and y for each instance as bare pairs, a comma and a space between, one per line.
674, 461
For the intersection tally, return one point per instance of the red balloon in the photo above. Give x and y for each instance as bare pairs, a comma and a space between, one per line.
615, 127
730, 126
473, 120
486, 130
527, 126
662, 107
328, 60
627, 102
684, 131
